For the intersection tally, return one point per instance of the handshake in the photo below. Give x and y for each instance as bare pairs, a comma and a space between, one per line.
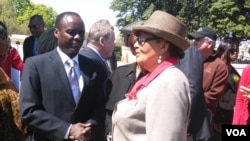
80, 132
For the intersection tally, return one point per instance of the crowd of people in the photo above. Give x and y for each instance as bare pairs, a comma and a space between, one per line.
180, 88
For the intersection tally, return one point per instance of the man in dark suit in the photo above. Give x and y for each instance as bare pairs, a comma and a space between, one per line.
100, 45
191, 65
48, 102
36, 27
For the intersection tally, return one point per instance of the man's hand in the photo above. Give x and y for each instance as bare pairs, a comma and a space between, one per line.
80, 132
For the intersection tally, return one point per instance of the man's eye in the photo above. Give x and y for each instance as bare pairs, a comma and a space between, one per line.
72, 33
81, 33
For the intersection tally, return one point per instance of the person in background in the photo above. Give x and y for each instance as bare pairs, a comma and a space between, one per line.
11, 127
191, 65
215, 71
227, 51
36, 27
59, 101
242, 109
11, 58
100, 45
158, 106
123, 79
47, 41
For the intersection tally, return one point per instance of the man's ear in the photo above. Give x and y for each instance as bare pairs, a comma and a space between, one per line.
101, 41
56, 32
210, 44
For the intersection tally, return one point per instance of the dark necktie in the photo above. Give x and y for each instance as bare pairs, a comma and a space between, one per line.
73, 80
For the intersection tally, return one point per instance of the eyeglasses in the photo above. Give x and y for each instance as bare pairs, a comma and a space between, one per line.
233, 51
35, 26
142, 40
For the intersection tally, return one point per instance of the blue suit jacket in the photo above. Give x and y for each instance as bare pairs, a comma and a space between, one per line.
94, 63
46, 99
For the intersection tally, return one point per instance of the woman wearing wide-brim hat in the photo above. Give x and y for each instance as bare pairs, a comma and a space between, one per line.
158, 106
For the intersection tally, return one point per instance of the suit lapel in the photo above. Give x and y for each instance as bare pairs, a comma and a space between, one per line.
130, 75
56, 62
88, 52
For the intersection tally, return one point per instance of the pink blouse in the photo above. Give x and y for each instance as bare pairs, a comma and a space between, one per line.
241, 109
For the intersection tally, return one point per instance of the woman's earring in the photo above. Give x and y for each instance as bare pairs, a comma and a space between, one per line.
159, 60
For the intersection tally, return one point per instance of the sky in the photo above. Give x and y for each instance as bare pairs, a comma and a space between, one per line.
90, 11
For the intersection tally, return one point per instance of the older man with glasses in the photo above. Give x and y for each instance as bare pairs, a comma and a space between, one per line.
215, 72
36, 27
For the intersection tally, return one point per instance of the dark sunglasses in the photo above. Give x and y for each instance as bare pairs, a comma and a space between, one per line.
34, 26
233, 51
142, 40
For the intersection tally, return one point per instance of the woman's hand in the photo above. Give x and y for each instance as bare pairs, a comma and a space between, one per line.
245, 91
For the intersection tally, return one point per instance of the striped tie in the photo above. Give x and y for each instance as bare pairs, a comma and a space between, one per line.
73, 80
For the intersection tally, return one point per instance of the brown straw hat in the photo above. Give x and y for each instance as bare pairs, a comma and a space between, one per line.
166, 26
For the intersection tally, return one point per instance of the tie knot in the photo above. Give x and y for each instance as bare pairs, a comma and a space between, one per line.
71, 63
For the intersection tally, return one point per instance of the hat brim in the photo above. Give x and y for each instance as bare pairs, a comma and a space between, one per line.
195, 35
174, 39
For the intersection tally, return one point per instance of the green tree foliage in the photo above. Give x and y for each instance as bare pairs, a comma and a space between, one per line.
222, 15
231, 15
20, 6
16, 13
133, 10
47, 12
7, 12
194, 13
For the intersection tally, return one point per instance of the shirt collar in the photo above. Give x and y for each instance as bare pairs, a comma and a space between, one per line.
65, 57
96, 51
